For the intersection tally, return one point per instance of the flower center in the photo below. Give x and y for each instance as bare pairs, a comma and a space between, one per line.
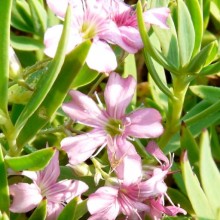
88, 30
114, 127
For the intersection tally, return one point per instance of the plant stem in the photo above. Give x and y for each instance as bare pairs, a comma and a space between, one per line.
175, 107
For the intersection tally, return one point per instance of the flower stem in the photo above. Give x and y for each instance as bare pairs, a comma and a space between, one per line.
175, 107
103, 76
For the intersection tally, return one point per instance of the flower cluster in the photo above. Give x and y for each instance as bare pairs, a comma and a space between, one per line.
132, 189
104, 22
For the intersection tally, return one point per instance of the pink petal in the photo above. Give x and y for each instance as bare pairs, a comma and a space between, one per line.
79, 148
118, 94
83, 109
132, 41
50, 174
52, 37
124, 160
101, 57
66, 190
157, 16
145, 123
53, 210
103, 204
116, 35
25, 197
153, 149
60, 7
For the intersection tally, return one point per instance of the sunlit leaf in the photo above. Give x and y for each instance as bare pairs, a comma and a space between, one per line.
4, 191
34, 161
40, 212
209, 173
195, 193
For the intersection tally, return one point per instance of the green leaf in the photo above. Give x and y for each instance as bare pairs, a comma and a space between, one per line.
73, 210
197, 19
130, 69
40, 212
211, 69
209, 172
26, 43
207, 53
148, 47
153, 73
206, 13
209, 93
84, 77
158, 95
186, 33
168, 41
21, 16
4, 216
195, 193
215, 142
4, 191
47, 80
39, 17
5, 17
188, 142
34, 161
72, 65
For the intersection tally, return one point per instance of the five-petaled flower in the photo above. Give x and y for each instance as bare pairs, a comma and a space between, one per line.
112, 121
27, 196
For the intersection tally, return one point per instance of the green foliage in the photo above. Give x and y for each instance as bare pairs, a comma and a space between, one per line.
40, 212
34, 161
74, 210
4, 191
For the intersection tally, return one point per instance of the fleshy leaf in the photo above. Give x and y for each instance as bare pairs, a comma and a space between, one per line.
55, 97
197, 19
84, 77
209, 173
5, 17
25, 43
209, 93
39, 17
47, 80
4, 191
34, 161
195, 193
73, 210
40, 212
186, 33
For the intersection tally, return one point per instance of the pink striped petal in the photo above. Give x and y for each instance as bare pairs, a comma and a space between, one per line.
103, 204
124, 160
79, 148
25, 197
144, 123
153, 149
118, 94
83, 109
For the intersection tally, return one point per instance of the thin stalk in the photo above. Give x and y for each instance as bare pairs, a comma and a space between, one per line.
103, 76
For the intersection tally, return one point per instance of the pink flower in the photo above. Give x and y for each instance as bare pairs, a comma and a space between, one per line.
90, 20
127, 36
128, 196
27, 196
135, 195
112, 121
